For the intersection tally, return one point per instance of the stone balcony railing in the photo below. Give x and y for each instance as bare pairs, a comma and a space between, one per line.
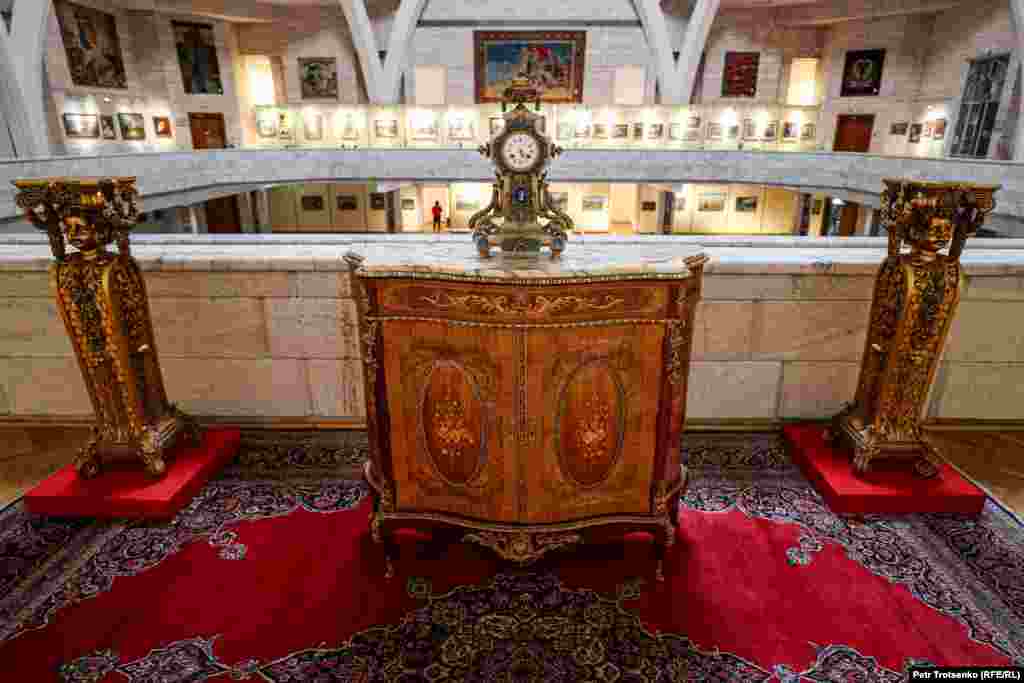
175, 178
262, 327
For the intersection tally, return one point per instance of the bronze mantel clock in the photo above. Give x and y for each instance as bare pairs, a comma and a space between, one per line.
519, 197
102, 298
916, 295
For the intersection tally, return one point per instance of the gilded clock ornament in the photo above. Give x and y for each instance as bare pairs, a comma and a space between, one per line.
519, 195
916, 295
101, 296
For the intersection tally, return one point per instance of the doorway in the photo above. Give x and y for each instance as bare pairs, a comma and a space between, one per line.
668, 200
222, 216
853, 132
208, 131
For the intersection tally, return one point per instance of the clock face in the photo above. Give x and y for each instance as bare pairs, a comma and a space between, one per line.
520, 152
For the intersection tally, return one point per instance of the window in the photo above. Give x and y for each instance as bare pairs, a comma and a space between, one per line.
979, 106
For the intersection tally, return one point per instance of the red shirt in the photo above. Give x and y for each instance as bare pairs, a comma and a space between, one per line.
436, 211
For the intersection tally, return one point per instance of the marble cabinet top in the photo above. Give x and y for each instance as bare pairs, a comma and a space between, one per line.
576, 264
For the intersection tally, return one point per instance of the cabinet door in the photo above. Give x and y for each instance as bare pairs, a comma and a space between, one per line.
450, 394
592, 406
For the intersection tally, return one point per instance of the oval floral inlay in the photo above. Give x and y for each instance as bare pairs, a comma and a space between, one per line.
591, 417
452, 418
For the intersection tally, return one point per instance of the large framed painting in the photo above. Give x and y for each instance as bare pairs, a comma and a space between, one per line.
551, 61
197, 57
107, 127
862, 73
91, 45
319, 77
739, 77
133, 126
81, 125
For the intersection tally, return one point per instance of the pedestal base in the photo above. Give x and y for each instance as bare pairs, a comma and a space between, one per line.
882, 490
133, 493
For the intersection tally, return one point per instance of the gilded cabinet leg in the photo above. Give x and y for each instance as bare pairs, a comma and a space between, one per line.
150, 457
862, 460
927, 466
87, 461
673, 510
379, 534
664, 540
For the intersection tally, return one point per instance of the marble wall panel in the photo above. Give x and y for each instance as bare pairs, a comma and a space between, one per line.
312, 328
1002, 288
336, 285
816, 389
25, 284
739, 390
44, 386
337, 388
810, 330
986, 391
276, 387
219, 328
722, 330
217, 285
32, 327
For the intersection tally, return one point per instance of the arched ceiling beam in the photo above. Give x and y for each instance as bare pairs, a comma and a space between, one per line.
383, 77
676, 77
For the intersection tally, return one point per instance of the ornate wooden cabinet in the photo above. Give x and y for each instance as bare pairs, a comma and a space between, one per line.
527, 405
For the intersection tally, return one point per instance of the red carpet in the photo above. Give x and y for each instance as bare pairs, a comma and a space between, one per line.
883, 491
132, 492
277, 579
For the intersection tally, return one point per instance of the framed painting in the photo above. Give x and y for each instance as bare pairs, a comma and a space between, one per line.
559, 200
939, 129
162, 126
808, 131
349, 129
711, 202
91, 45
550, 61
746, 204
466, 204
656, 131
771, 131
284, 124
497, 124
319, 77
789, 129
133, 126
816, 208
638, 131
648, 206
313, 126
461, 128
408, 204
915, 132
714, 130
582, 130
107, 128
862, 73
600, 131
739, 76
385, 128
899, 128
378, 201
312, 202
594, 203
347, 202
266, 122
425, 129
197, 57
620, 131
82, 125
749, 129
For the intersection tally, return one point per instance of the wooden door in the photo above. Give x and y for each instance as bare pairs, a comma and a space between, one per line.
208, 131
592, 398
450, 392
853, 132
222, 216
848, 219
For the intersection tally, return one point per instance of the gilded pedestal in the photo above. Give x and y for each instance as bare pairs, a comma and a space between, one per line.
101, 297
915, 298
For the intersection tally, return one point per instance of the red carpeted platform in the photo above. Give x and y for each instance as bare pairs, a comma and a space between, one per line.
133, 493
893, 491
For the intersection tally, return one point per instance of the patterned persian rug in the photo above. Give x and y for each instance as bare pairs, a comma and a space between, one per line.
270, 575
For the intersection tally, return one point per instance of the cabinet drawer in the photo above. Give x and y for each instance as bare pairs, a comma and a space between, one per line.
503, 304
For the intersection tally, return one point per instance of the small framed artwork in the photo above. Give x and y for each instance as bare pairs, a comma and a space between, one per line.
714, 130
675, 131
862, 73
565, 131
638, 131
620, 131
426, 129
739, 76
808, 131
81, 125
319, 77
734, 132
692, 135
312, 202
461, 128
408, 204
349, 130
771, 131
313, 126
559, 200
284, 125
347, 202
656, 131
107, 127
385, 128
648, 206
899, 128
600, 131
749, 129
378, 201
466, 204
582, 131
915, 132
746, 204
133, 126
711, 202
594, 203
162, 126
926, 132
266, 123
693, 122
816, 207
788, 131
939, 129
496, 124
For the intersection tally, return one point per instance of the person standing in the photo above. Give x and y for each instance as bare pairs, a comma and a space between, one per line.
436, 211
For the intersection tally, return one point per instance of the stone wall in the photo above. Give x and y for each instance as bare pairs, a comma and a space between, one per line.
266, 328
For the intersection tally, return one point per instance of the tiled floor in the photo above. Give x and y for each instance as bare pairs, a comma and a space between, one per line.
994, 459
